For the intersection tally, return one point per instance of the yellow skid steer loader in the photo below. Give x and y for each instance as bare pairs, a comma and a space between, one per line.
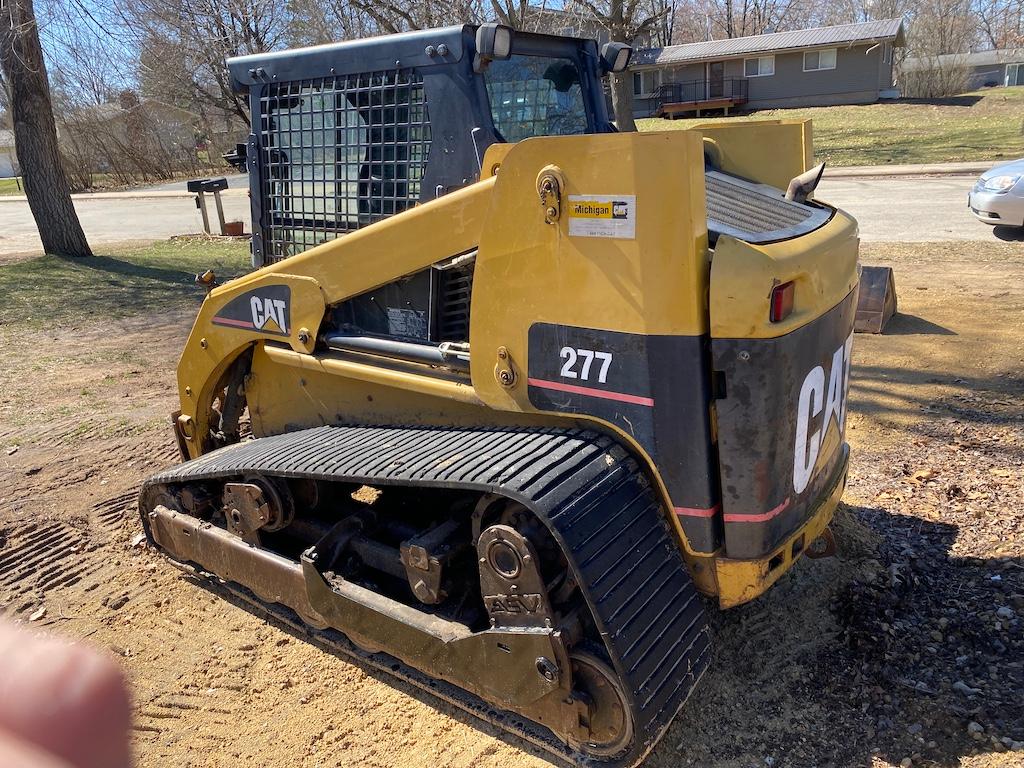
554, 384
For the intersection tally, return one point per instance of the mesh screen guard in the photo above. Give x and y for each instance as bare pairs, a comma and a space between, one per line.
337, 154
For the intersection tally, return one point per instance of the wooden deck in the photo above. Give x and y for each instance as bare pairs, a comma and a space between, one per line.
672, 110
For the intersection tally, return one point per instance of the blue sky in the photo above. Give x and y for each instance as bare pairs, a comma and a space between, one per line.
82, 38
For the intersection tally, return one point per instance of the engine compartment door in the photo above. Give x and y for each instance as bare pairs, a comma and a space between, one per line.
781, 386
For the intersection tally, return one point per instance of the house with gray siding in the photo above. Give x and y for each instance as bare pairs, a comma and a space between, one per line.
845, 64
969, 71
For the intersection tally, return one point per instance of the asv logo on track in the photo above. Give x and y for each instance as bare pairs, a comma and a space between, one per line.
269, 314
822, 399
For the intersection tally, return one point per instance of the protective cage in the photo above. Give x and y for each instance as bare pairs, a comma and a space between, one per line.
337, 154
342, 136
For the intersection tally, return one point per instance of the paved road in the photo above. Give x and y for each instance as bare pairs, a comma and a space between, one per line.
893, 209
107, 220
908, 209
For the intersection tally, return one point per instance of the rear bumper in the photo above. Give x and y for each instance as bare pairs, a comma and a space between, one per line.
780, 428
740, 581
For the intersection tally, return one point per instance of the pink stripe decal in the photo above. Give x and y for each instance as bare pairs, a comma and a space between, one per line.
740, 518
620, 396
696, 512
237, 323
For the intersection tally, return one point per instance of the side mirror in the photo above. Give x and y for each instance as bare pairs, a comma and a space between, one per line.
493, 42
615, 57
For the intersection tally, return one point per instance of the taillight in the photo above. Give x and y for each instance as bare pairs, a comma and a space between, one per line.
782, 302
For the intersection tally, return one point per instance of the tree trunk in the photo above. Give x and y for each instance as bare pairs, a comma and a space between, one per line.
35, 134
622, 82
622, 100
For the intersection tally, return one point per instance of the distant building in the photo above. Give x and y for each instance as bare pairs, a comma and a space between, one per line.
129, 135
982, 69
8, 159
845, 64
133, 123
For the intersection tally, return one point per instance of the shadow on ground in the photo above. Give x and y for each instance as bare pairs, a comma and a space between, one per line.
888, 391
70, 290
903, 324
896, 662
967, 100
1009, 234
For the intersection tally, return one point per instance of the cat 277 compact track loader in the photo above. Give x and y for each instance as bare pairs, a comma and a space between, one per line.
553, 384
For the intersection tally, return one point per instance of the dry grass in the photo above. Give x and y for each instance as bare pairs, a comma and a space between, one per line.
52, 291
981, 125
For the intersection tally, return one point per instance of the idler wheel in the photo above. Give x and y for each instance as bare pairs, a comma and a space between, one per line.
611, 721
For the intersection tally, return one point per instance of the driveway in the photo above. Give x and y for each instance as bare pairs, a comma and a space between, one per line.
109, 219
888, 209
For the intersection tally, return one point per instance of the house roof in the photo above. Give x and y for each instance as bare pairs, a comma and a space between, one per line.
991, 58
844, 34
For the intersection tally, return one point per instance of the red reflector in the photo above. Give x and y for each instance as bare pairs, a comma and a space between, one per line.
782, 302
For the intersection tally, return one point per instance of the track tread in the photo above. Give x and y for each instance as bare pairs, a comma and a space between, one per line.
595, 499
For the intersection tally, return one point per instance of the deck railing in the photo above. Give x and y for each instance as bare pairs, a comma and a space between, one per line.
732, 88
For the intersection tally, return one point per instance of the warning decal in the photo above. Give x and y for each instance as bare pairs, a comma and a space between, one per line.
602, 216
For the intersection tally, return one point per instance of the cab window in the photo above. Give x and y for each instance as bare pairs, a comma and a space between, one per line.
535, 96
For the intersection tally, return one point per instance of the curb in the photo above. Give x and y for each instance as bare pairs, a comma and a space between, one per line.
921, 169
141, 195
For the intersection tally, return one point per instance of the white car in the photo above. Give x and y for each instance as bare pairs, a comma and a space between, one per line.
998, 197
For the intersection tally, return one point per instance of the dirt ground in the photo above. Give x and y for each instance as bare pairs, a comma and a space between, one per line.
907, 646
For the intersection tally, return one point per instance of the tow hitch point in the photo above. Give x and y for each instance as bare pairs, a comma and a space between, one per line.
823, 546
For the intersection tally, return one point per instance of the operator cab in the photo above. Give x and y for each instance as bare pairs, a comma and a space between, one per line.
350, 133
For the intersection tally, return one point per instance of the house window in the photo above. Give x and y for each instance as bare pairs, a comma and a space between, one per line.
762, 66
887, 53
817, 60
646, 83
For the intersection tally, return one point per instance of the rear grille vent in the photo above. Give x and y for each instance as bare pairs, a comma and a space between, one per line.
756, 213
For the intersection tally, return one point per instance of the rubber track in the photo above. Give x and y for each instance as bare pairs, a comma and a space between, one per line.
586, 487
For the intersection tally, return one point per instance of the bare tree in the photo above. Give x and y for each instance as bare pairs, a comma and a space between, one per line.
935, 77
35, 135
1001, 23
943, 26
87, 60
313, 22
717, 19
183, 45
663, 30
626, 21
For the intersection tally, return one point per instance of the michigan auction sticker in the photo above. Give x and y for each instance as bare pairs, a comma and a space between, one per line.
603, 216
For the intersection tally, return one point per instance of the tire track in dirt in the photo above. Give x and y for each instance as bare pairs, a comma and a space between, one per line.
67, 431
52, 472
214, 683
40, 560
51, 434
